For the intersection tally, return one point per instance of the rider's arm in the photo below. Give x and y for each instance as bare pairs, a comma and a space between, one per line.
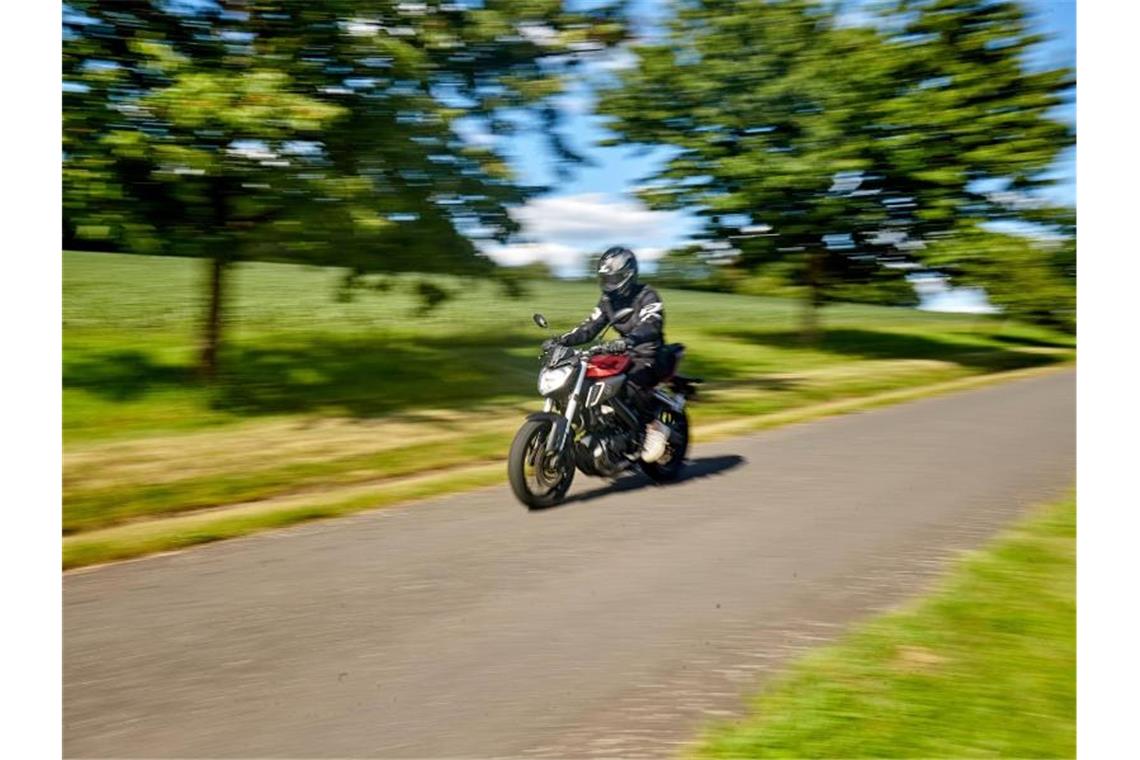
588, 330
650, 319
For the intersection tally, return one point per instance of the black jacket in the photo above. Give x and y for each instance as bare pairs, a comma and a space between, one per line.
639, 317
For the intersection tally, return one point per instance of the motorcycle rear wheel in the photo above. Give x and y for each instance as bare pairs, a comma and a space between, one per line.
538, 480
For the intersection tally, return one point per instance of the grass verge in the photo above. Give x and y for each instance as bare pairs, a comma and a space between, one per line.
984, 666
102, 508
170, 534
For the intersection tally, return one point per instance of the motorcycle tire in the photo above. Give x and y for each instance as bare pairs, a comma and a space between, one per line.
553, 478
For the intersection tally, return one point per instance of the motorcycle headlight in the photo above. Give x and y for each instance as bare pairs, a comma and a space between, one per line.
550, 380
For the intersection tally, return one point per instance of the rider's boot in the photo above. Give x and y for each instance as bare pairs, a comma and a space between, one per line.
656, 434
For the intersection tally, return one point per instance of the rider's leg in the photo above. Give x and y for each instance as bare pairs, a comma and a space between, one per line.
655, 437
640, 383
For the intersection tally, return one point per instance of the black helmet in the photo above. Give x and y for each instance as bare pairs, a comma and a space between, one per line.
617, 271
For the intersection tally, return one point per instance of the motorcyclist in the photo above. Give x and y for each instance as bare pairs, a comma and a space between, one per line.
637, 313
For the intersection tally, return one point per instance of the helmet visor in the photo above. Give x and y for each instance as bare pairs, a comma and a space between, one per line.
614, 281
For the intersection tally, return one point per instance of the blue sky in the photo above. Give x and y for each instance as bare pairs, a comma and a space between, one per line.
596, 207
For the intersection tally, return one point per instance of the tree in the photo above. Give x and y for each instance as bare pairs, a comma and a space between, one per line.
856, 145
1024, 277
692, 267
684, 267
299, 131
966, 143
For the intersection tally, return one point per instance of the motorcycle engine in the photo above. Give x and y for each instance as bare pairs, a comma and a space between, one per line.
603, 453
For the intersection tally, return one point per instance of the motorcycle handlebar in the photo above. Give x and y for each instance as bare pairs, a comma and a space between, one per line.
601, 349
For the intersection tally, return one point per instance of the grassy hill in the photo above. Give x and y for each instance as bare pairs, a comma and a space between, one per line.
320, 395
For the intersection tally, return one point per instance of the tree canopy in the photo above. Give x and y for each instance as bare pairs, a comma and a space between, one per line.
321, 132
829, 153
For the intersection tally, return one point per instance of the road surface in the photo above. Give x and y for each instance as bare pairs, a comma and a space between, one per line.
614, 626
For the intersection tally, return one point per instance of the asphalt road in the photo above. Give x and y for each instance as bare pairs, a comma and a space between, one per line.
614, 626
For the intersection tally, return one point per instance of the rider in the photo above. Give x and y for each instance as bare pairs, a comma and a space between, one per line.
637, 313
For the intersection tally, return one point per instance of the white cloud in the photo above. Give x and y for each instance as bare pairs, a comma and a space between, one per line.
590, 216
935, 294
564, 231
516, 254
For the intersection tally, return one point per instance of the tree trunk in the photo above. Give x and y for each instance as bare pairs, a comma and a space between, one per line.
813, 299
212, 327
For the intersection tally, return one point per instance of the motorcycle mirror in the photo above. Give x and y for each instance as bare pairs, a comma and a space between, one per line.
540, 320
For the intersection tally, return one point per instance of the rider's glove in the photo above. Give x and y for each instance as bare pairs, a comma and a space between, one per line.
618, 346
550, 343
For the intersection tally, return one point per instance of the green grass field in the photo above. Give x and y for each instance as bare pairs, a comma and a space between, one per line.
983, 667
130, 325
319, 395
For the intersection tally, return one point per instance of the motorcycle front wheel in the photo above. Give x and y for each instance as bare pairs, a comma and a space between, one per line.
539, 480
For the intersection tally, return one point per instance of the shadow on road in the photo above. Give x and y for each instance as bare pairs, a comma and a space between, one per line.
695, 468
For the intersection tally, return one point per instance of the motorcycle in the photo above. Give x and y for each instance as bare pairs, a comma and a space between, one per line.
588, 422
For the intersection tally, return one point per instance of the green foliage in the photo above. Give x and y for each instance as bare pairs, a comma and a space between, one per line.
881, 286
693, 268
287, 130
1030, 280
688, 267
855, 145
984, 667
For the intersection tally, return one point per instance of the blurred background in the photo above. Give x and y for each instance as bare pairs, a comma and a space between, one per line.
302, 241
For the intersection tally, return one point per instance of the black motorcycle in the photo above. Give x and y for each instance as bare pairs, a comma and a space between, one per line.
590, 423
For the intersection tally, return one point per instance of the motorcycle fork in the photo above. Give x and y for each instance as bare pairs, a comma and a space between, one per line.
556, 442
